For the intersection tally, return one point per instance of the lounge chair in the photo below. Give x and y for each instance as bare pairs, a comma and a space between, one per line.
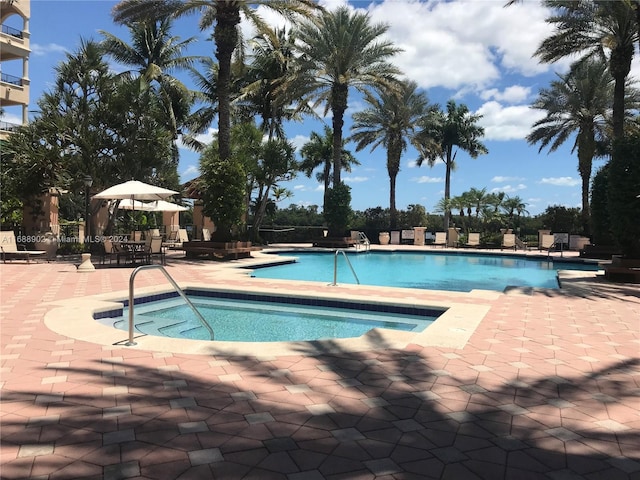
206, 235
547, 242
441, 239
508, 241
473, 240
10, 249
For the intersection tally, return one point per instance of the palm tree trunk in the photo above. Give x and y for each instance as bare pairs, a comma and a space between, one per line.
338, 107
393, 167
447, 188
586, 152
226, 38
620, 66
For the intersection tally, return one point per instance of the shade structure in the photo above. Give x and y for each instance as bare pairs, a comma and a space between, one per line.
135, 190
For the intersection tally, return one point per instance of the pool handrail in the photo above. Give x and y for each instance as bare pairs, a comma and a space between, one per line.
335, 267
177, 289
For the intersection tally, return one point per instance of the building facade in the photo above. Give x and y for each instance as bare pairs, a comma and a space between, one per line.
14, 64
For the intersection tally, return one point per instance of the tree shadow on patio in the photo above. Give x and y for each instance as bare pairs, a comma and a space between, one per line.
328, 413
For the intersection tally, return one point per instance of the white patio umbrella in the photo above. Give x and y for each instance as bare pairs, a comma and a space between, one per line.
128, 204
164, 206
135, 190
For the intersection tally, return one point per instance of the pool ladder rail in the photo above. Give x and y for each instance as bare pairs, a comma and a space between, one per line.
177, 289
363, 241
335, 267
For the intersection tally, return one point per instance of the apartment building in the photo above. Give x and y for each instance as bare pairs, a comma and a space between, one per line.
14, 64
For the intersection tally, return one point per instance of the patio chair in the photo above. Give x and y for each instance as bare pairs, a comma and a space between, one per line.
508, 241
156, 249
206, 235
10, 249
473, 240
547, 242
441, 239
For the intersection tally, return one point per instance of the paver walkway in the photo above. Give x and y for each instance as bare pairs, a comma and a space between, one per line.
547, 387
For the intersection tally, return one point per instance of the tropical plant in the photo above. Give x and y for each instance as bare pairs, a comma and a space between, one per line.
600, 217
389, 120
623, 191
578, 102
224, 16
318, 152
439, 132
271, 60
338, 213
222, 189
338, 50
595, 28
513, 207
155, 54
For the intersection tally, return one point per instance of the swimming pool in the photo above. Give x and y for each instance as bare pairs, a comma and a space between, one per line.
424, 270
260, 318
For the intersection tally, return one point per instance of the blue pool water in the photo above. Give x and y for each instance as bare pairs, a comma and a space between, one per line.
268, 321
434, 271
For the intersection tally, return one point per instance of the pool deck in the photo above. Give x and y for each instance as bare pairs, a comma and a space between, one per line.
546, 385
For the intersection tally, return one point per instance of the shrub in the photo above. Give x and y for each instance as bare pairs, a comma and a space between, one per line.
623, 191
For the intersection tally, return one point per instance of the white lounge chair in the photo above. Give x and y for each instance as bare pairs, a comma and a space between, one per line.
441, 239
508, 241
10, 248
473, 240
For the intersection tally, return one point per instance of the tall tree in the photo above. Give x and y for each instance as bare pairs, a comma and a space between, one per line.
224, 16
390, 119
271, 63
154, 54
318, 152
338, 50
595, 28
442, 131
577, 103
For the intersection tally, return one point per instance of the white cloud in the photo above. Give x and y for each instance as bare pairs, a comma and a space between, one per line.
49, 48
300, 187
512, 94
509, 188
11, 118
463, 44
507, 123
355, 179
561, 181
190, 172
319, 188
208, 137
425, 179
299, 140
500, 179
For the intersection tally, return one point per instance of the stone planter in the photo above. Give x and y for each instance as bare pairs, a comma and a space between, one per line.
47, 242
383, 238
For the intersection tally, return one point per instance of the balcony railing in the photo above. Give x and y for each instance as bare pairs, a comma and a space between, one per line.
11, 31
8, 126
6, 78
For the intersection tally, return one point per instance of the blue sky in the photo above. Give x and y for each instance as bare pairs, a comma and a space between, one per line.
475, 51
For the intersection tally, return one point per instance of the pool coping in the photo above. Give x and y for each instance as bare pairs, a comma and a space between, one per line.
74, 318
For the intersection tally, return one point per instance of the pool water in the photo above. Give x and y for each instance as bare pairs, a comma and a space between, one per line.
433, 271
260, 321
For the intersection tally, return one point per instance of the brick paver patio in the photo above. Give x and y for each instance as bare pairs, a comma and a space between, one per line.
548, 386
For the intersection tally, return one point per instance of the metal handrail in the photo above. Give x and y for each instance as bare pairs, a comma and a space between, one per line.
335, 267
175, 286
363, 240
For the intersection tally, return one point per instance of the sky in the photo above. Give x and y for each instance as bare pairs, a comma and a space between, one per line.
477, 52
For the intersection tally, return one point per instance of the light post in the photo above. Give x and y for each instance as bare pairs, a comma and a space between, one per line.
86, 265
88, 181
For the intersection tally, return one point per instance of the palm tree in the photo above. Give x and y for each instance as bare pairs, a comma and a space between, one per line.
593, 28
339, 50
273, 55
441, 132
155, 54
224, 16
578, 102
513, 206
391, 118
318, 152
